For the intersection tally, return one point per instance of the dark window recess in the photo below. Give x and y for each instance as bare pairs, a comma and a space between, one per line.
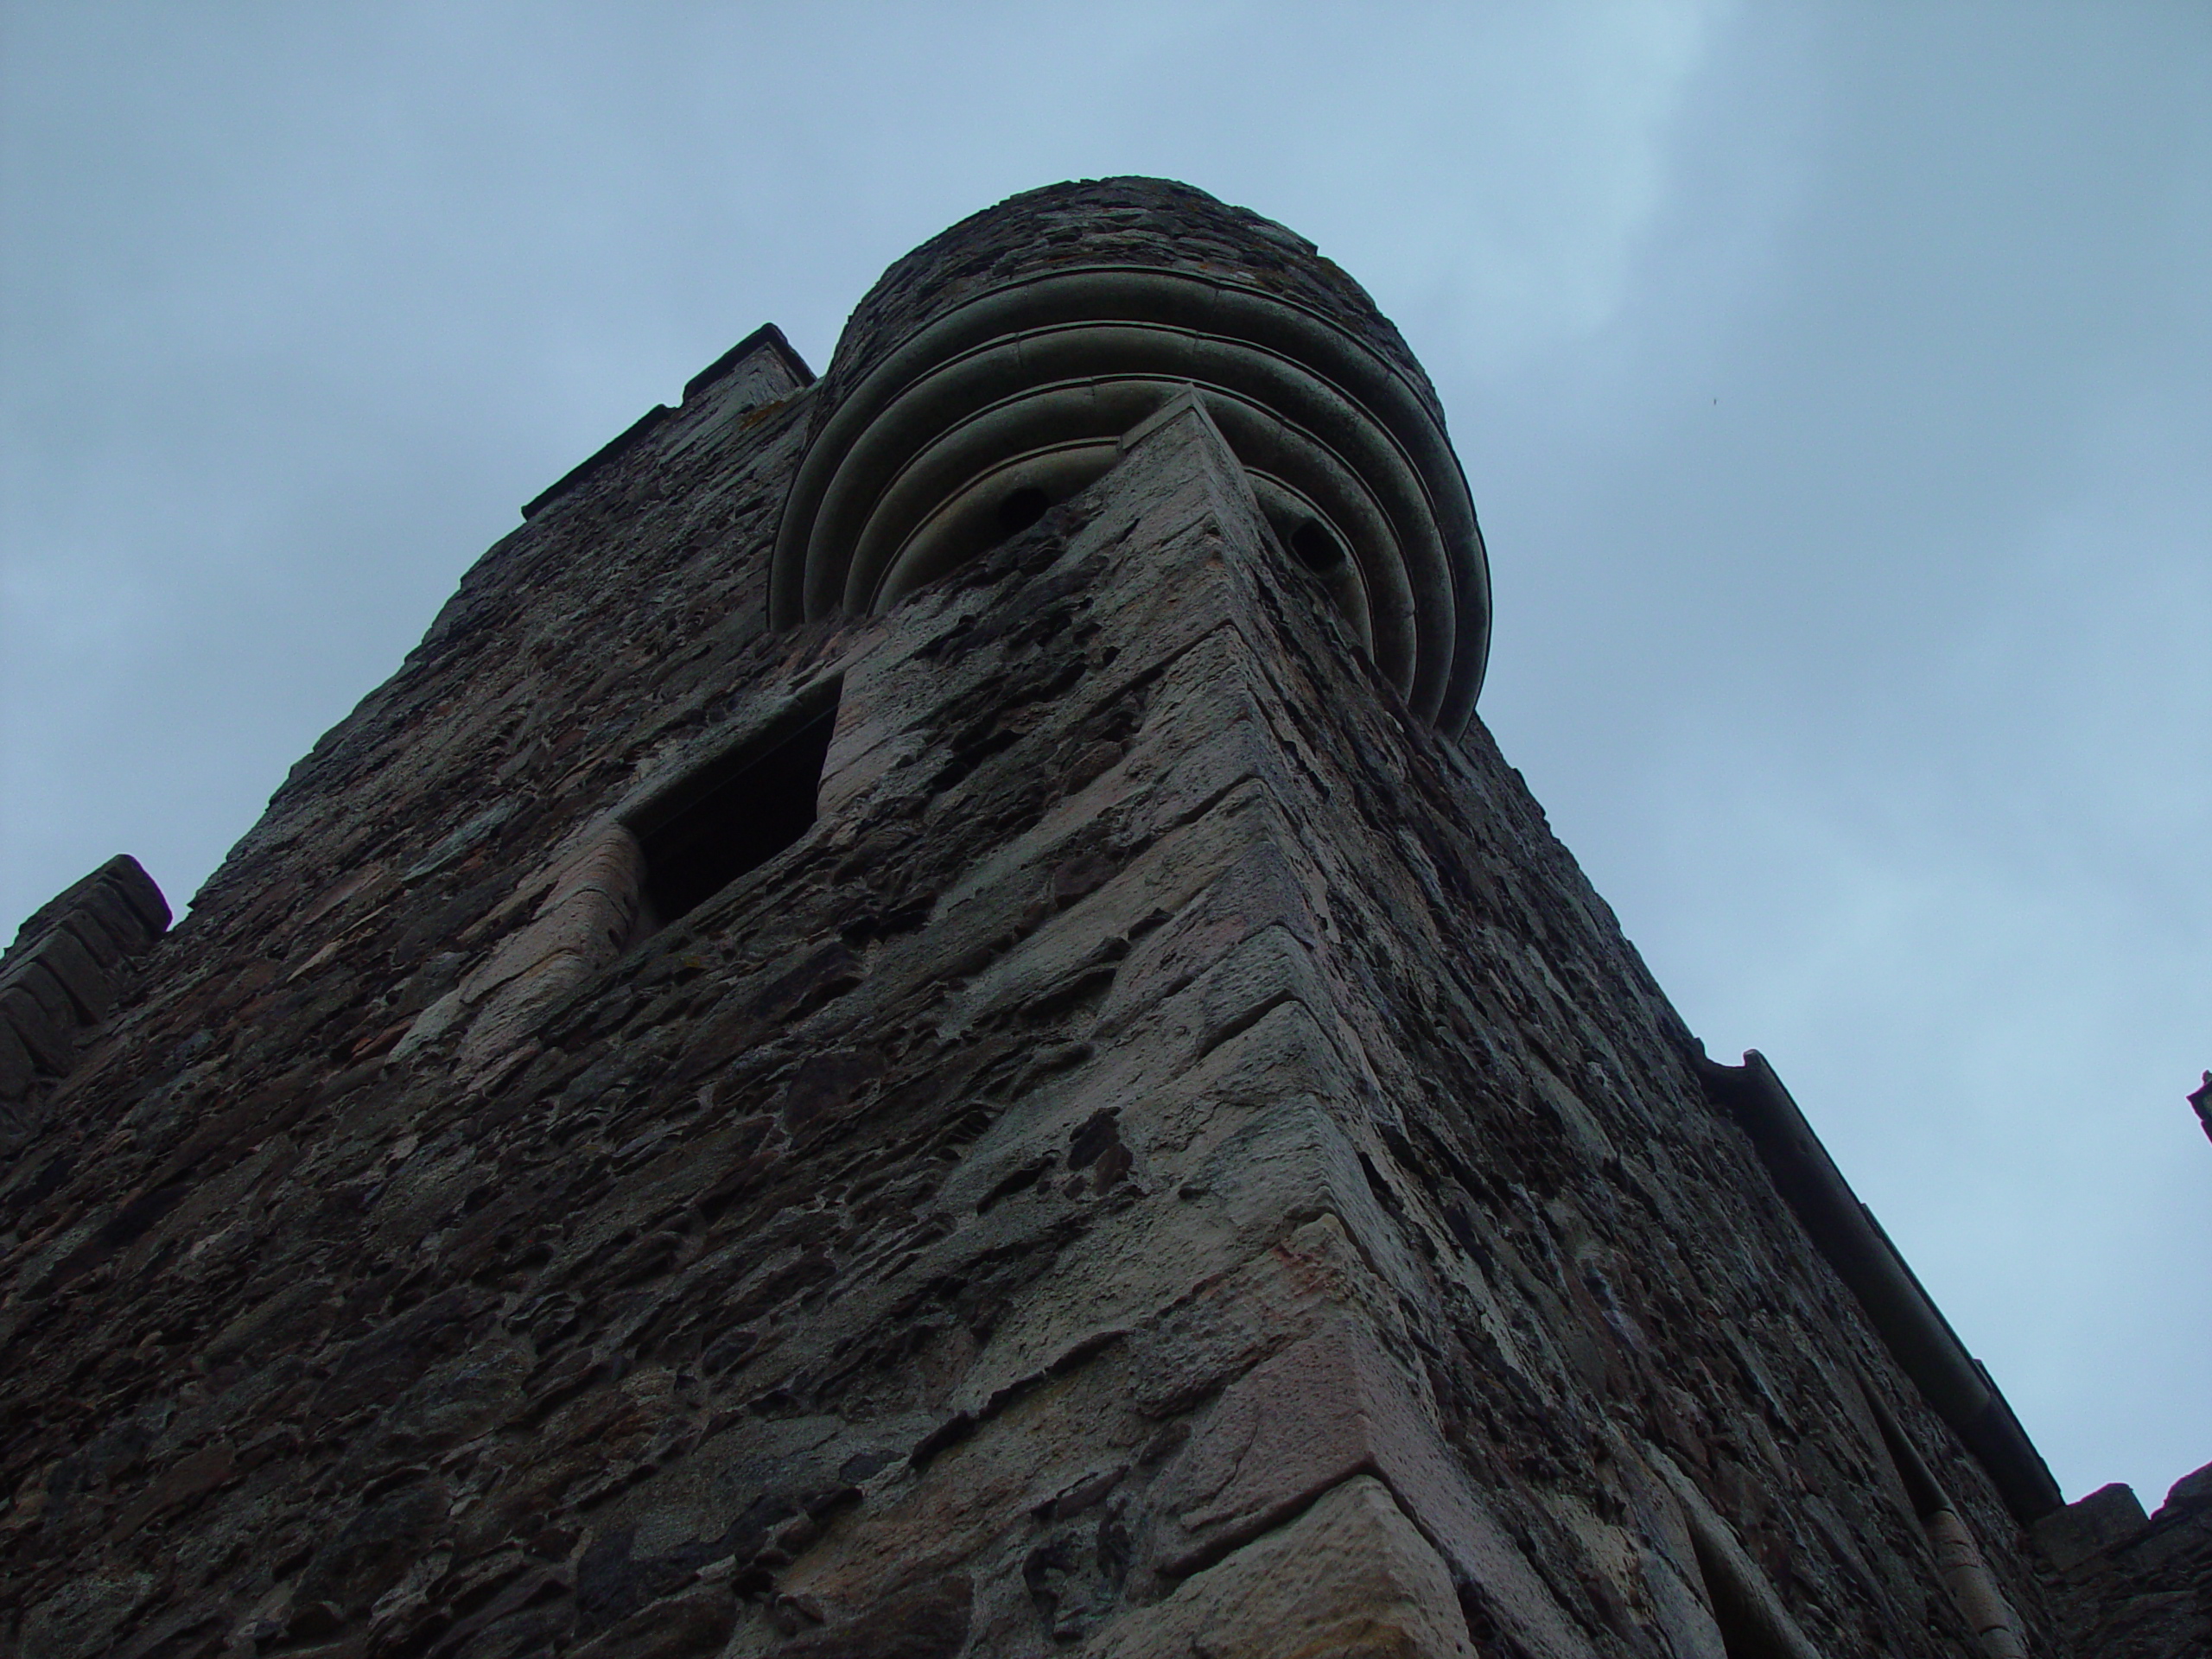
1317, 548
1022, 508
733, 815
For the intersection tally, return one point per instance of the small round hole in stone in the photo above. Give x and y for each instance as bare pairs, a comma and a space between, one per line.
1317, 547
1021, 508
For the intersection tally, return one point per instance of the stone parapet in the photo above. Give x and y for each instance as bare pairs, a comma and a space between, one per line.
2136, 1587
61, 974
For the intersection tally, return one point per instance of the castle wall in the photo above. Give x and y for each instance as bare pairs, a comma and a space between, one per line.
1175, 1154
2132, 1585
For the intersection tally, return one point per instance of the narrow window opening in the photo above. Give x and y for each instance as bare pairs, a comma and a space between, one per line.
1022, 508
733, 813
1317, 548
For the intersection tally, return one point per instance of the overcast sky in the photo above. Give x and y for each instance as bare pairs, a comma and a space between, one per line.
1835, 386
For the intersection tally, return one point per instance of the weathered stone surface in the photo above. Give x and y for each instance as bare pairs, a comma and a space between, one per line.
1175, 1159
1330, 1408
2108, 1515
60, 977
2137, 1586
1349, 1576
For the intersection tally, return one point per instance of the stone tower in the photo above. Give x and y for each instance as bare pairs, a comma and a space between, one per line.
925, 1025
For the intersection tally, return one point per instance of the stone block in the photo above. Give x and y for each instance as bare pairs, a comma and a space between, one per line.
1350, 1578
1330, 1408
123, 875
1169, 876
17, 1067
1296, 1158
587, 914
978, 1484
2192, 1491
1262, 891
106, 929
36, 1009
90, 986
1230, 1150
2108, 1516
1225, 1325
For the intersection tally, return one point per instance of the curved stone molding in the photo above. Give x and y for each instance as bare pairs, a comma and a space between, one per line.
961, 406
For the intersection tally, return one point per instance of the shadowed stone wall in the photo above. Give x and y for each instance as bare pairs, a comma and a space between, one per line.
58, 980
2135, 1587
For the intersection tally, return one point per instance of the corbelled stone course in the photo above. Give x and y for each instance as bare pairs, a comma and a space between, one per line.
992, 373
1152, 223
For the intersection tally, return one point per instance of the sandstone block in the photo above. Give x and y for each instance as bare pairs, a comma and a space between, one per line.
1329, 1407
1349, 1577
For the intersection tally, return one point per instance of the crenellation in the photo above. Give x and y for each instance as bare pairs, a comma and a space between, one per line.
61, 977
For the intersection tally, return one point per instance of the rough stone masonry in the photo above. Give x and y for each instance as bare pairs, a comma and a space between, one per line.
941, 1036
